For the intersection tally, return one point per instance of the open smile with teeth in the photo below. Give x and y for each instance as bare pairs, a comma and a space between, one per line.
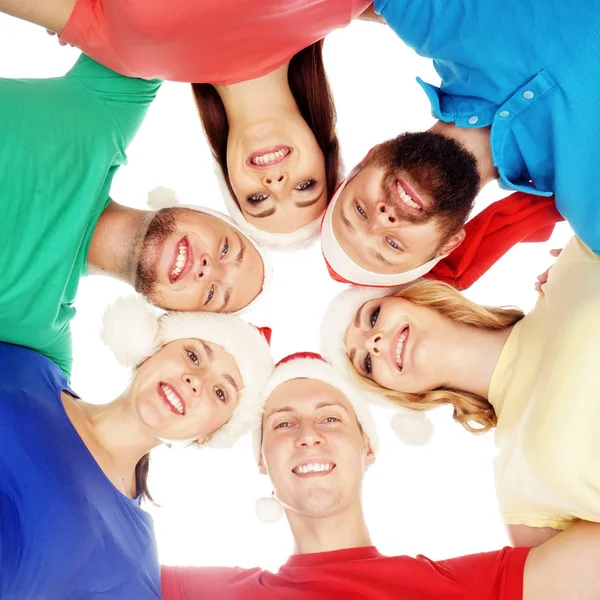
400, 345
314, 469
270, 158
181, 260
406, 199
172, 399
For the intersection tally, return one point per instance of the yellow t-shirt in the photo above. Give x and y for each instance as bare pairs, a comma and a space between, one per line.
546, 393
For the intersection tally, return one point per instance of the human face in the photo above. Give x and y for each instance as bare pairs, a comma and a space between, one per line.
187, 390
407, 204
400, 345
313, 448
193, 261
277, 173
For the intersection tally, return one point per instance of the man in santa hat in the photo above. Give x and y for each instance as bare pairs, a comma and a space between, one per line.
512, 106
315, 441
63, 140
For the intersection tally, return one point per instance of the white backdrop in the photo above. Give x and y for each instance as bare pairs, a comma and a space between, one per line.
437, 500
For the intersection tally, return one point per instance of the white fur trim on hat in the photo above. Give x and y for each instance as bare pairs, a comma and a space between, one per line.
350, 271
314, 368
162, 197
134, 339
411, 426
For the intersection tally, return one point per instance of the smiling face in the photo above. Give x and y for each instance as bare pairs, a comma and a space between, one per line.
187, 390
193, 261
407, 204
313, 448
277, 173
399, 345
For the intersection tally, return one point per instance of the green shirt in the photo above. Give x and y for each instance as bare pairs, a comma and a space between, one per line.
61, 143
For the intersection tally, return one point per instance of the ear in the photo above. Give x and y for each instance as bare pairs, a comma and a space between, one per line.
454, 242
261, 465
363, 162
369, 454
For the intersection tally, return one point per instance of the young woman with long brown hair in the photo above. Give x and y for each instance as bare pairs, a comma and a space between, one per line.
533, 378
259, 83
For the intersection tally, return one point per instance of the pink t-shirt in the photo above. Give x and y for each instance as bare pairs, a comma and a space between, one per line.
202, 41
357, 573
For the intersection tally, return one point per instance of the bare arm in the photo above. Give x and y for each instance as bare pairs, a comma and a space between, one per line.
51, 14
369, 14
565, 567
522, 536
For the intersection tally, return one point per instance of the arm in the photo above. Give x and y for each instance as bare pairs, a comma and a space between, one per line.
369, 14
567, 566
51, 14
523, 536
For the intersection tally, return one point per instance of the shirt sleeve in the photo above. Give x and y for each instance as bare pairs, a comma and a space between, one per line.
490, 575
126, 98
194, 583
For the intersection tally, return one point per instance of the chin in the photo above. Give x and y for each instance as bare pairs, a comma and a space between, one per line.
320, 504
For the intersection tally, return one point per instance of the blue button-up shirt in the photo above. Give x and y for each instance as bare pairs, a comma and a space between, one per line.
530, 69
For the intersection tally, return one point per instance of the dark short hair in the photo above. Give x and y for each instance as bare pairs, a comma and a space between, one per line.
310, 88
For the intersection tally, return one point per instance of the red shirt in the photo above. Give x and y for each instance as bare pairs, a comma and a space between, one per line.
202, 41
357, 573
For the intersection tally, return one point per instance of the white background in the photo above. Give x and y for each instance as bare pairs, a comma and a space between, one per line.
438, 500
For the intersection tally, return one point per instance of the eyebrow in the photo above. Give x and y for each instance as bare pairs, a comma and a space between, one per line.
358, 317
307, 203
231, 380
284, 409
384, 260
345, 220
240, 255
226, 299
208, 350
262, 215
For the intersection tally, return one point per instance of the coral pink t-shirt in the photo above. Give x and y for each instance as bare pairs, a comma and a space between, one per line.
357, 573
202, 41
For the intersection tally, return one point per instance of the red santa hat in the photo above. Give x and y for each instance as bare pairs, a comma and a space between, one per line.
162, 197
411, 426
135, 330
519, 217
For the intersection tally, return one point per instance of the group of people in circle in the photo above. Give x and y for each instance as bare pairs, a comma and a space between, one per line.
517, 104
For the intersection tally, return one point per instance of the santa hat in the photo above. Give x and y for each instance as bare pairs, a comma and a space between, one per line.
411, 426
134, 330
519, 217
162, 197
309, 365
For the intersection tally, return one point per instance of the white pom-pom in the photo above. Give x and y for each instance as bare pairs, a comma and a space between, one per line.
129, 329
268, 510
413, 427
162, 197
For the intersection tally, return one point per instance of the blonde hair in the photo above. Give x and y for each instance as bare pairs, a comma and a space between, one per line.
473, 412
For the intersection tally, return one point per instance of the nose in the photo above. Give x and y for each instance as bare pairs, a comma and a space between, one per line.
274, 179
192, 383
374, 343
309, 437
208, 267
384, 217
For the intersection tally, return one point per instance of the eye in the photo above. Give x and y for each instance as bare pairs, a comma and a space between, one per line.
332, 420
193, 357
374, 316
257, 198
211, 294
360, 210
306, 185
367, 364
225, 248
220, 394
393, 244
283, 425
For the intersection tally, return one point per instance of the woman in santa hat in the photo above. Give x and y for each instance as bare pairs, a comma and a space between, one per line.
259, 82
533, 378
72, 474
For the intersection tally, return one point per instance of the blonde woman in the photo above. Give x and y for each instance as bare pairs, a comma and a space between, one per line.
533, 378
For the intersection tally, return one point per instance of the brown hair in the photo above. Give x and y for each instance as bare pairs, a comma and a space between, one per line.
310, 88
141, 478
473, 412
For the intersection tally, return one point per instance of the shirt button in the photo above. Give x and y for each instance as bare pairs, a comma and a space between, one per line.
504, 113
473, 120
528, 95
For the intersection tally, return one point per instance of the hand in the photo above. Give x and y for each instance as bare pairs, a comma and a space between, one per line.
543, 278
50, 32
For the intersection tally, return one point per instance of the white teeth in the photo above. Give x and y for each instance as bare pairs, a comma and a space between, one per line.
270, 157
180, 260
400, 347
313, 468
406, 198
172, 398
